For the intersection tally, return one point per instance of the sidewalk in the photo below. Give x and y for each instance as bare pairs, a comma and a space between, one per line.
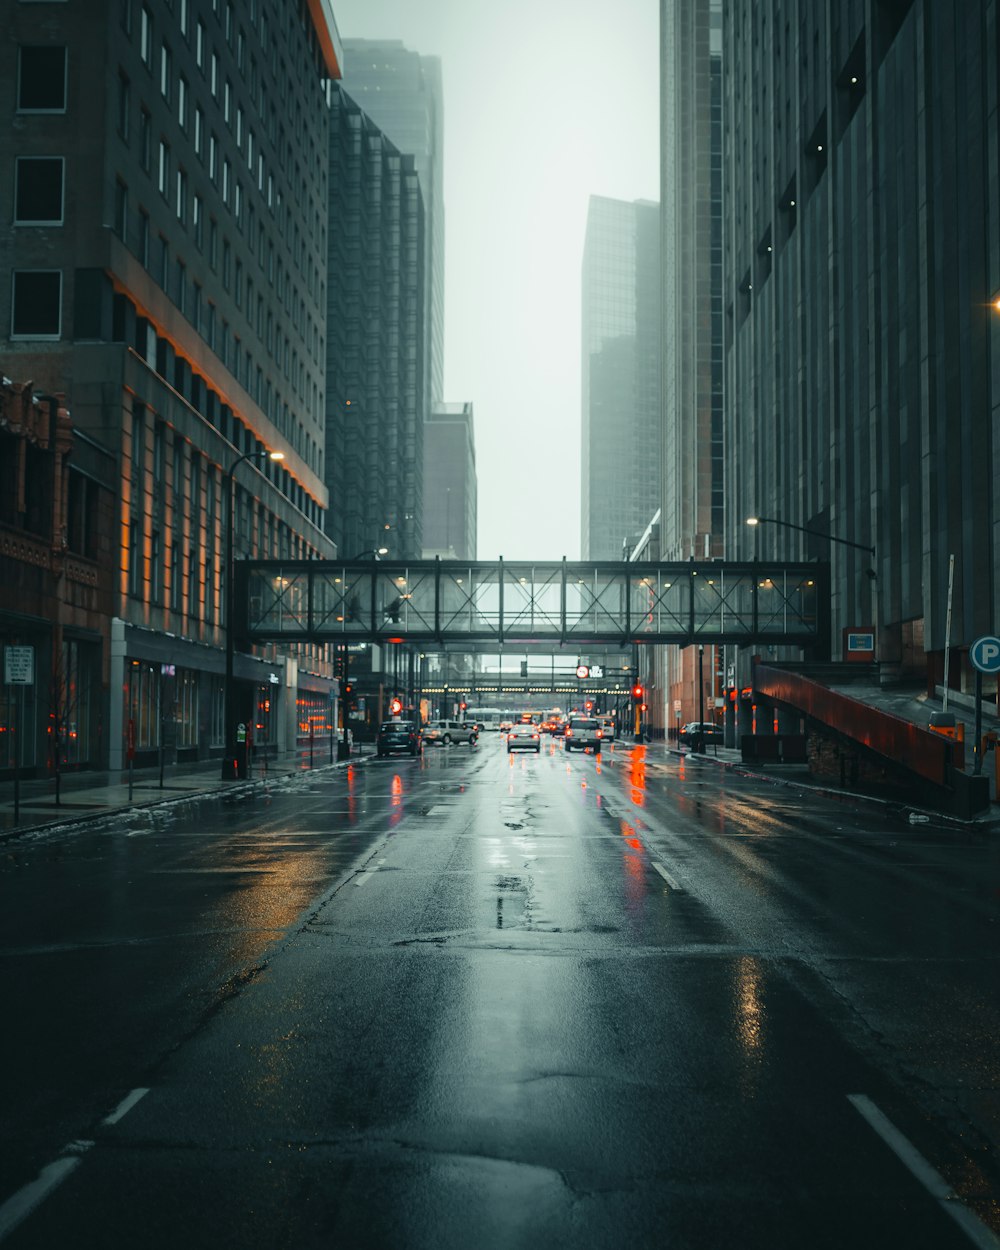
87, 795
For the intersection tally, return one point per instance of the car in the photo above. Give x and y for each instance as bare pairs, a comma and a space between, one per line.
583, 732
607, 724
506, 726
524, 737
445, 732
397, 735
700, 731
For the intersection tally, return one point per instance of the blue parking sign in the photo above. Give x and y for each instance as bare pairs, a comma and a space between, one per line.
985, 654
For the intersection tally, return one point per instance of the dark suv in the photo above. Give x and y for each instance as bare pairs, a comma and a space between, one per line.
697, 732
397, 735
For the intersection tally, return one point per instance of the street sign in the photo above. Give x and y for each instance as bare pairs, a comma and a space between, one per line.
19, 666
582, 671
984, 654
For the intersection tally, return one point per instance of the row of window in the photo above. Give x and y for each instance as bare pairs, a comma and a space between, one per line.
223, 92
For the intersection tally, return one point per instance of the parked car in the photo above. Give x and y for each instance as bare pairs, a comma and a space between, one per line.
583, 732
524, 737
445, 732
397, 735
702, 731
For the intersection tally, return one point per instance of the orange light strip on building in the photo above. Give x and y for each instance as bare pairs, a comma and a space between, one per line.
328, 36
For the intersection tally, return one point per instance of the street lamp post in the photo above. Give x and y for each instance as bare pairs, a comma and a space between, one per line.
844, 542
230, 767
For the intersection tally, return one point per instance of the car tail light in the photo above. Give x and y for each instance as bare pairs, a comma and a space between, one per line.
569, 733
600, 733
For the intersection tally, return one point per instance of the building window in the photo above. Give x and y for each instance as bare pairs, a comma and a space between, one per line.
199, 44
197, 220
227, 102
213, 78
180, 295
155, 569
166, 71
145, 139
146, 37
225, 180
199, 131
37, 304
183, 95
38, 197
123, 105
41, 79
164, 267
134, 569
121, 210
176, 597
183, 17
144, 238
227, 264
181, 197
213, 157
163, 181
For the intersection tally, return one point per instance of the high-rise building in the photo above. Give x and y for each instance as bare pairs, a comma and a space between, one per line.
620, 458
164, 273
450, 483
401, 92
862, 262
375, 357
693, 502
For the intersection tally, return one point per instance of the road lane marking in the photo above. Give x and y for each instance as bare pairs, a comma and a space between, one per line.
125, 1106
21, 1204
667, 877
935, 1184
360, 880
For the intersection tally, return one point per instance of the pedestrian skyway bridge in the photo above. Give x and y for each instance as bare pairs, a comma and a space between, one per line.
489, 604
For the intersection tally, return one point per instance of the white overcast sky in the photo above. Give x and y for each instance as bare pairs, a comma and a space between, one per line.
546, 102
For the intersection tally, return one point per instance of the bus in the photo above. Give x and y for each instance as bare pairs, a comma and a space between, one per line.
488, 717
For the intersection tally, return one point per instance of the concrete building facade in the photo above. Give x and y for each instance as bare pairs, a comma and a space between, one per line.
620, 386
862, 341
693, 502
164, 271
450, 483
376, 309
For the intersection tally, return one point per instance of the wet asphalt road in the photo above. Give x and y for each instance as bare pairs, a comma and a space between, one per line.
480, 1001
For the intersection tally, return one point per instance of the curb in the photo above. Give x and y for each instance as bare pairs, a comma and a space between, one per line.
985, 822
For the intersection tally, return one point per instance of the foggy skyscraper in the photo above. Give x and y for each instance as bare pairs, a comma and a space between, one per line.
620, 459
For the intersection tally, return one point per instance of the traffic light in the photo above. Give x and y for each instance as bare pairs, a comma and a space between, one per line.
347, 693
395, 706
589, 705
637, 693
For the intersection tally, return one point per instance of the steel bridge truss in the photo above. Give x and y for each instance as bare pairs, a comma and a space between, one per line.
563, 602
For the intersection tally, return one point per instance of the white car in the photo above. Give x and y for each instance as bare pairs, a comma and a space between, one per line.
524, 738
445, 732
607, 724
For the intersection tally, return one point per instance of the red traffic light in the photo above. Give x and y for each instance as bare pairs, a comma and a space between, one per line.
637, 692
396, 706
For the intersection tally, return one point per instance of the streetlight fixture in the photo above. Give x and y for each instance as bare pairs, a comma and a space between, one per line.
845, 542
230, 767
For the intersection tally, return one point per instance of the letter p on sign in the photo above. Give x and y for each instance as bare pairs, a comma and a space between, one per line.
985, 654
